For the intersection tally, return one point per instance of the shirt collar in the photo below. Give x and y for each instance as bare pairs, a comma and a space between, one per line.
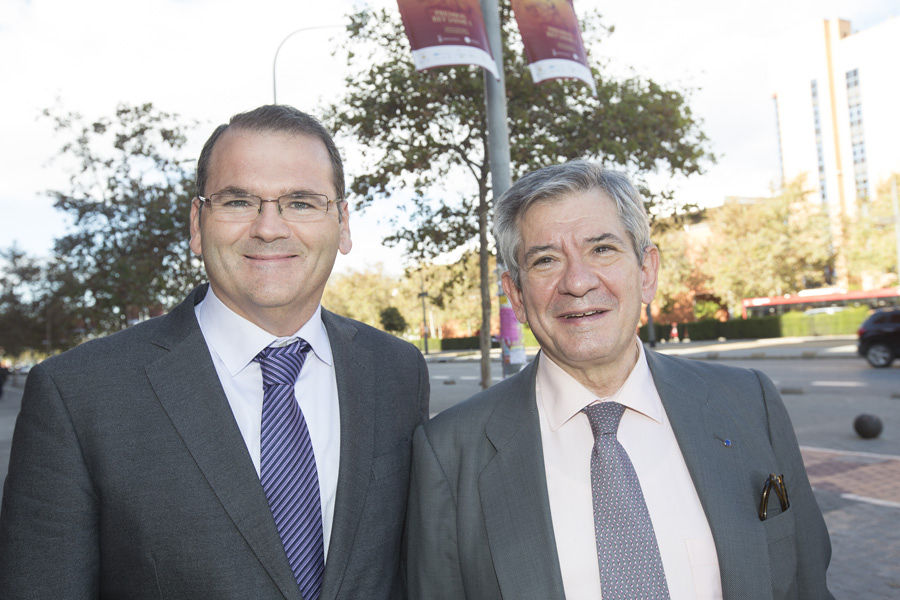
563, 397
237, 341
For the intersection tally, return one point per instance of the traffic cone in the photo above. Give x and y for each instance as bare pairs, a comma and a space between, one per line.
673, 335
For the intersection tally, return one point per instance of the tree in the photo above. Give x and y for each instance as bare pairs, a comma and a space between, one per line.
681, 273
19, 326
871, 240
392, 320
129, 197
768, 247
362, 295
427, 146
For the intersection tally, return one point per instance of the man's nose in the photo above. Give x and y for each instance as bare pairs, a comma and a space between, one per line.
578, 278
268, 224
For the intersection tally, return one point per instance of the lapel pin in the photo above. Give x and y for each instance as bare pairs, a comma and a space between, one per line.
725, 442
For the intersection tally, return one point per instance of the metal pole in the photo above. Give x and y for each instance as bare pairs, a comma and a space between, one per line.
651, 329
512, 340
423, 295
896, 222
277, 50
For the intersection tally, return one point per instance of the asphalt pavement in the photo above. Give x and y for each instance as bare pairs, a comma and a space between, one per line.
858, 489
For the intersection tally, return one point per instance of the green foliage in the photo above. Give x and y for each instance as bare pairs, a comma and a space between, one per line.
422, 128
129, 199
842, 322
768, 247
661, 331
392, 320
434, 344
790, 324
871, 246
19, 325
426, 134
705, 309
463, 343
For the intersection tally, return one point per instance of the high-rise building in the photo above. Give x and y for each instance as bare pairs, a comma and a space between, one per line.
837, 102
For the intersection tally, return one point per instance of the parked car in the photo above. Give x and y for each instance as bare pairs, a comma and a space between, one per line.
879, 337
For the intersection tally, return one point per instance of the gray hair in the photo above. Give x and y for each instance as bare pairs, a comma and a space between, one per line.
549, 183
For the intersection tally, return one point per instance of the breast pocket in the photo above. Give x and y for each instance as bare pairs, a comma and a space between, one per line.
782, 547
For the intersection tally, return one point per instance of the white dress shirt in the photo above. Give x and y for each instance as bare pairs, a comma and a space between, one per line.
233, 343
682, 532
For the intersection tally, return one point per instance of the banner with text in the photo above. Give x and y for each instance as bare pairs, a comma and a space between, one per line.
552, 40
446, 32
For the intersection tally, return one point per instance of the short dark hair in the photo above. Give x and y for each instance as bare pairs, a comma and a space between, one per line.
279, 118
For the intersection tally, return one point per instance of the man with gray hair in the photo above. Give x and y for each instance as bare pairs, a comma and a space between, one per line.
604, 470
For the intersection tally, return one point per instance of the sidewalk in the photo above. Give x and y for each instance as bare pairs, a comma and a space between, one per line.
835, 346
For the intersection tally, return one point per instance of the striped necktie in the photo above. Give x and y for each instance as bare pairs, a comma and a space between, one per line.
288, 466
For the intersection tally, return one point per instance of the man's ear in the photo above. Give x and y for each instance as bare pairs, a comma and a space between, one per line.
514, 294
195, 243
345, 243
649, 274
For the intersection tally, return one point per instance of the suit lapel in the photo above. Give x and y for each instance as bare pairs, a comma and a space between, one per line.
355, 383
514, 501
701, 425
186, 383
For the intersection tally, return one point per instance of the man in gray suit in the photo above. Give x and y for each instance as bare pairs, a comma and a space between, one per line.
604, 469
184, 457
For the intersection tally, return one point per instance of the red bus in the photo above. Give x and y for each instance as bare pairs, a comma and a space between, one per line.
822, 298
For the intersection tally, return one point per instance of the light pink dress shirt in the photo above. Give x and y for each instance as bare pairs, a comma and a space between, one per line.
685, 542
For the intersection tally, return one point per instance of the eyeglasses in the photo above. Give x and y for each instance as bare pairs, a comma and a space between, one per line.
240, 207
774, 482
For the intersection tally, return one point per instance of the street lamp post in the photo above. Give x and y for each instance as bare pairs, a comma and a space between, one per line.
286, 38
423, 296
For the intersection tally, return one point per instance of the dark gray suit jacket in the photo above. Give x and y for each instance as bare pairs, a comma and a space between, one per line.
129, 478
479, 523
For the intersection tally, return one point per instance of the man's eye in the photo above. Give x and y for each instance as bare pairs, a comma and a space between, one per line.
299, 205
543, 260
304, 203
602, 249
236, 202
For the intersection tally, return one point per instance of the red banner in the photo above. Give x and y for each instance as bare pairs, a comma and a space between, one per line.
552, 40
446, 32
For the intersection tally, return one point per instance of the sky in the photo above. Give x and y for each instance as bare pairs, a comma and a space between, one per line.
209, 59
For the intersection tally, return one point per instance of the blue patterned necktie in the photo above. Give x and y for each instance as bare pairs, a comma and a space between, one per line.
288, 466
630, 565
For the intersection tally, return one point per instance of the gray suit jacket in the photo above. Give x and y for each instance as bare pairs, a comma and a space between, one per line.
479, 523
129, 478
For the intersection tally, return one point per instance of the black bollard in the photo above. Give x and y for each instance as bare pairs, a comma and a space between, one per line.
867, 426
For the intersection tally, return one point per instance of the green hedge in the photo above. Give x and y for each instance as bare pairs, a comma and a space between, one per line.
843, 322
462, 343
791, 324
434, 344
471, 343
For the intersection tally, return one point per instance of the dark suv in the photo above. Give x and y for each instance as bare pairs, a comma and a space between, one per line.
879, 337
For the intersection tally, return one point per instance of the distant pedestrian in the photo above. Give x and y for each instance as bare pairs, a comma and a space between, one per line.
4, 373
